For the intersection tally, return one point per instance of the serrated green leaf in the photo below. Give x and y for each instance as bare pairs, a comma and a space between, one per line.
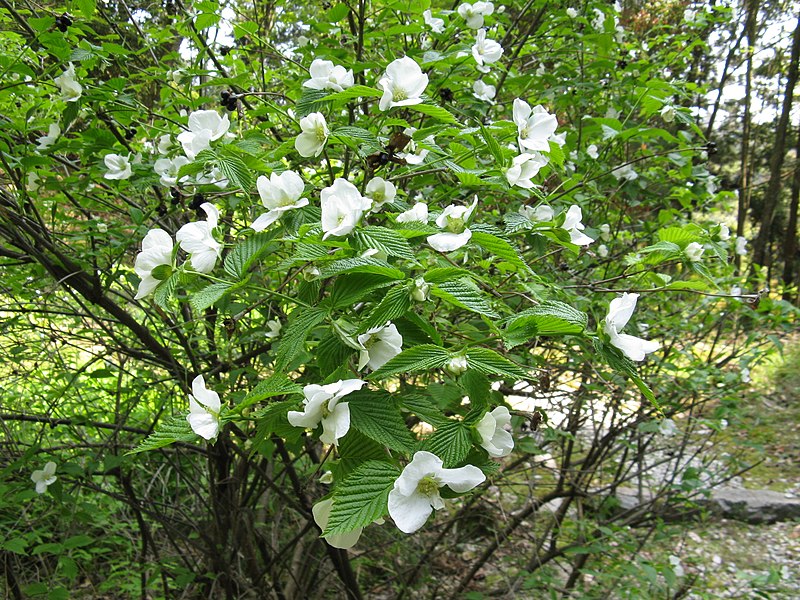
208, 296
437, 112
350, 289
499, 248
241, 258
357, 134
516, 222
418, 358
490, 362
442, 274
384, 240
375, 415
169, 431
465, 294
355, 91
451, 442
166, 289
681, 235
235, 171
493, 146
331, 354
272, 419
360, 265
625, 366
394, 304
354, 450
362, 497
294, 334
478, 388
548, 318
424, 407
276, 384
311, 101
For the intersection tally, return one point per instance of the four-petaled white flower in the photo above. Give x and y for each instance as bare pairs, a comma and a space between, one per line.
626, 172
204, 409
44, 477
342, 207
279, 193
619, 313
543, 212
473, 14
314, 135
417, 213
415, 153
457, 365
494, 437
198, 240
591, 150
205, 126
534, 126
483, 91
668, 113
694, 251
436, 24
605, 232
453, 220
274, 327
378, 346
322, 404
572, 223
572, 13
168, 170
523, 168
403, 84
486, 51
156, 251
741, 245
380, 191
326, 76
416, 492
322, 512
44, 142
724, 232
71, 90
599, 19
119, 167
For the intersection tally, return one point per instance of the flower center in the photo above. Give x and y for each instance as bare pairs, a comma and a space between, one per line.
454, 225
321, 134
399, 94
428, 486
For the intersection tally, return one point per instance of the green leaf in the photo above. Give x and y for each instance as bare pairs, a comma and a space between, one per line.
208, 296
310, 101
490, 362
394, 304
356, 134
272, 419
296, 331
350, 289
78, 541
169, 431
276, 384
166, 289
375, 415
441, 274
499, 248
419, 358
354, 450
625, 366
465, 294
384, 240
451, 442
437, 112
206, 20
491, 143
362, 497
681, 235
235, 171
548, 318
360, 265
241, 258
337, 13
355, 91
478, 388
424, 407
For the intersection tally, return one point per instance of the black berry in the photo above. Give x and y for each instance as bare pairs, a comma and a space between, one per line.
711, 147
130, 133
446, 95
225, 95
197, 200
63, 22
225, 50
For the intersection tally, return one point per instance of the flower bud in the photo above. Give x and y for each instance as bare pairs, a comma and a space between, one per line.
421, 291
457, 365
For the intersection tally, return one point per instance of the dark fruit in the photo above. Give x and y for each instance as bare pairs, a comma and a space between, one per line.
446, 95
63, 22
197, 200
711, 148
225, 95
130, 133
225, 50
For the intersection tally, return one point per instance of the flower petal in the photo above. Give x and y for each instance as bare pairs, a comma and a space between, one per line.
409, 513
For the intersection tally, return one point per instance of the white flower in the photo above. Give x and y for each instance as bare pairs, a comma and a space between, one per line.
559, 139
378, 346
694, 251
403, 84
321, 404
436, 25
619, 313
667, 428
164, 144
494, 438
534, 126
33, 181
204, 409
380, 191
625, 172
592, 151
457, 365
102, 227
676, 565
605, 232
314, 135
724, 232
453, 220
416, 491
197, 239
275, 327
473, 13
326, 76
213, 177
668, 113
572, 13
342, 207
416, 154
543, 212
119, 167
279, 193
168, 170
602, 251
741, 245
745, 375
71, 90
156, 251
322, 512
205, 126
486, 51
421, 290
53, 131
326, 478
523, 168
417, 213
572, 223
44, 477
483, 91
599, 19
302, 41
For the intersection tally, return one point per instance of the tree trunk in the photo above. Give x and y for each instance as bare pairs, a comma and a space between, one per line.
790, 240
772, 196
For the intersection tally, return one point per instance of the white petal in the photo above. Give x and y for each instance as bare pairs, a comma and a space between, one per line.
462, 479
409, 513
203, 424
322, 511
336, 425
620, 311
265, 220
447, 242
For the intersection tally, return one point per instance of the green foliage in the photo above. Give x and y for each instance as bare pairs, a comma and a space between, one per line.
361, 497
171, 430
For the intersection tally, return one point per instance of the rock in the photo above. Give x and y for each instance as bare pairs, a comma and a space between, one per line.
754, 506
